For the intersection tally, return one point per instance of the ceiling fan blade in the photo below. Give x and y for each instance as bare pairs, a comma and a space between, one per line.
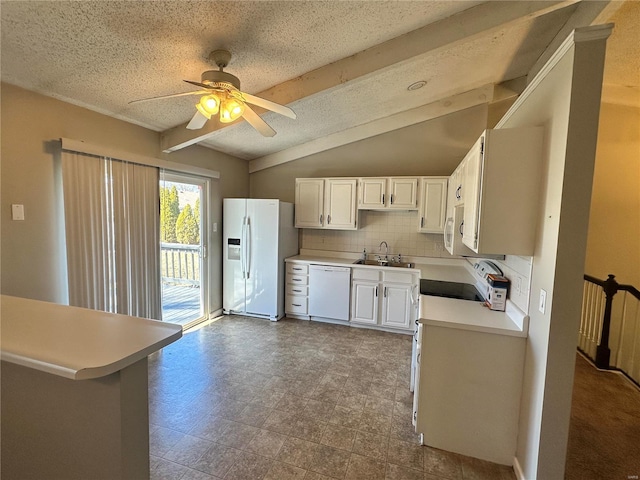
197, 121
198, 84
256, 122
269, 105
199, 92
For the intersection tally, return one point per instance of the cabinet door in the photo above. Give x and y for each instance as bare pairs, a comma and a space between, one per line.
340, 204
403, 193
472, 191
309, 200
372, 193
455, 186
364, 302
433, 204
396, 305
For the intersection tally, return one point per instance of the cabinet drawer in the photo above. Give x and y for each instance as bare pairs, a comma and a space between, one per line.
296, 304
397, 277
365, 274
301, 290
297, 279
297, 268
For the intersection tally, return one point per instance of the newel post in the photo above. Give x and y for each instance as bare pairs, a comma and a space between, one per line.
603, 352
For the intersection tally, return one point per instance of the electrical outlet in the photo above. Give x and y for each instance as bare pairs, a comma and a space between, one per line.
519, 285
543, 301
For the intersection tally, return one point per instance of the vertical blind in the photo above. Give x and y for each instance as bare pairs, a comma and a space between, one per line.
113, 234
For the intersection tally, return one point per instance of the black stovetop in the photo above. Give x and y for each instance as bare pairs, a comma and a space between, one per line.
438, 288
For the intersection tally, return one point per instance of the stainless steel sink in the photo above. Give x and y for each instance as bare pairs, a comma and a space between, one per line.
385, 264
401, 264
367, 262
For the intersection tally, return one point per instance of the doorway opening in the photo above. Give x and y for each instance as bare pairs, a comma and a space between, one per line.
183, 218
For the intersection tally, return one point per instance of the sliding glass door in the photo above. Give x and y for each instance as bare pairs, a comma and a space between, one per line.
183, 248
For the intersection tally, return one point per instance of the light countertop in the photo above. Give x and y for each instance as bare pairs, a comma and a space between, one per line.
453, 270
468, 315
77, 343
441, 311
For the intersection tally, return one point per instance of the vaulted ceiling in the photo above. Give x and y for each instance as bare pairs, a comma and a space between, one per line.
344, 67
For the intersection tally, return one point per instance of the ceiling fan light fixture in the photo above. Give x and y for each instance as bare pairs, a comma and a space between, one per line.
201, 109
231, 109
209, 105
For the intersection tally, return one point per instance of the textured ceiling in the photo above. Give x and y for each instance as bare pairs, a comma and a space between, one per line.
103, 54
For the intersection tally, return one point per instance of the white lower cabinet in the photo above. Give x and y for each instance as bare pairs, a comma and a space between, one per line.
396, 306
364, 302
297, 289
383, 298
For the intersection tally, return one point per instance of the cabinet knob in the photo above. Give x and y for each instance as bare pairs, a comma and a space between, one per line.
422, 222
383, 199
328, 219
391, 199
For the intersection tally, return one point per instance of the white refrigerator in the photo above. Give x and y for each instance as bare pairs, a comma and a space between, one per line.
258, 236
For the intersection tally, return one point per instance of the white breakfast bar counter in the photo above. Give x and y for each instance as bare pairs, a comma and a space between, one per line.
75, 391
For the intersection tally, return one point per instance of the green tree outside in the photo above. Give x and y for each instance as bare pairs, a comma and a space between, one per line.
169, 212
187, 227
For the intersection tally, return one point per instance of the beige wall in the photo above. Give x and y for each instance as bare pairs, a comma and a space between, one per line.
613, 243
435, 147
566, 103
32, 264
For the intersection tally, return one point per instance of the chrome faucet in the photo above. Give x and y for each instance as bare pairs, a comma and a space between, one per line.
386, 248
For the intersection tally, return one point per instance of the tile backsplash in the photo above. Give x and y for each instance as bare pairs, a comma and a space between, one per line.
398, 229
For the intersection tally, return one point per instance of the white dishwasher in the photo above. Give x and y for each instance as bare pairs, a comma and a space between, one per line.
329, 291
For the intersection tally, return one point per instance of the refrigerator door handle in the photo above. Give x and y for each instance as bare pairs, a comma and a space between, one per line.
243, 247
248, 247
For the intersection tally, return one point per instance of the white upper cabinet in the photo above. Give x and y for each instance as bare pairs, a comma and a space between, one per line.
326, 203
433, 204
456, 187
403, 193
502, 191
340, 203
372, 193
400, 193
309, 198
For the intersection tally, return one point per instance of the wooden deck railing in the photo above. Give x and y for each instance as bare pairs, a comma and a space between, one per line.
180, 263
610, 325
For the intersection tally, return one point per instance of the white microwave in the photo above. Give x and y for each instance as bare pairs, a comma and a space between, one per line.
453, 228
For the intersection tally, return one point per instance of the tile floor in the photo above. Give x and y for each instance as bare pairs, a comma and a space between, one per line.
244, 398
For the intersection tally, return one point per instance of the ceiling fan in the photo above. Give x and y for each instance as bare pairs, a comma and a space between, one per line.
221, 95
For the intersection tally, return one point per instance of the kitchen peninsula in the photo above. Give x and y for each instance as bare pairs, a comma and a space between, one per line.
75, 391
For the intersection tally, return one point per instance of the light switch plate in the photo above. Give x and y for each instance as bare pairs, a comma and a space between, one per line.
543, 301
17, 212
